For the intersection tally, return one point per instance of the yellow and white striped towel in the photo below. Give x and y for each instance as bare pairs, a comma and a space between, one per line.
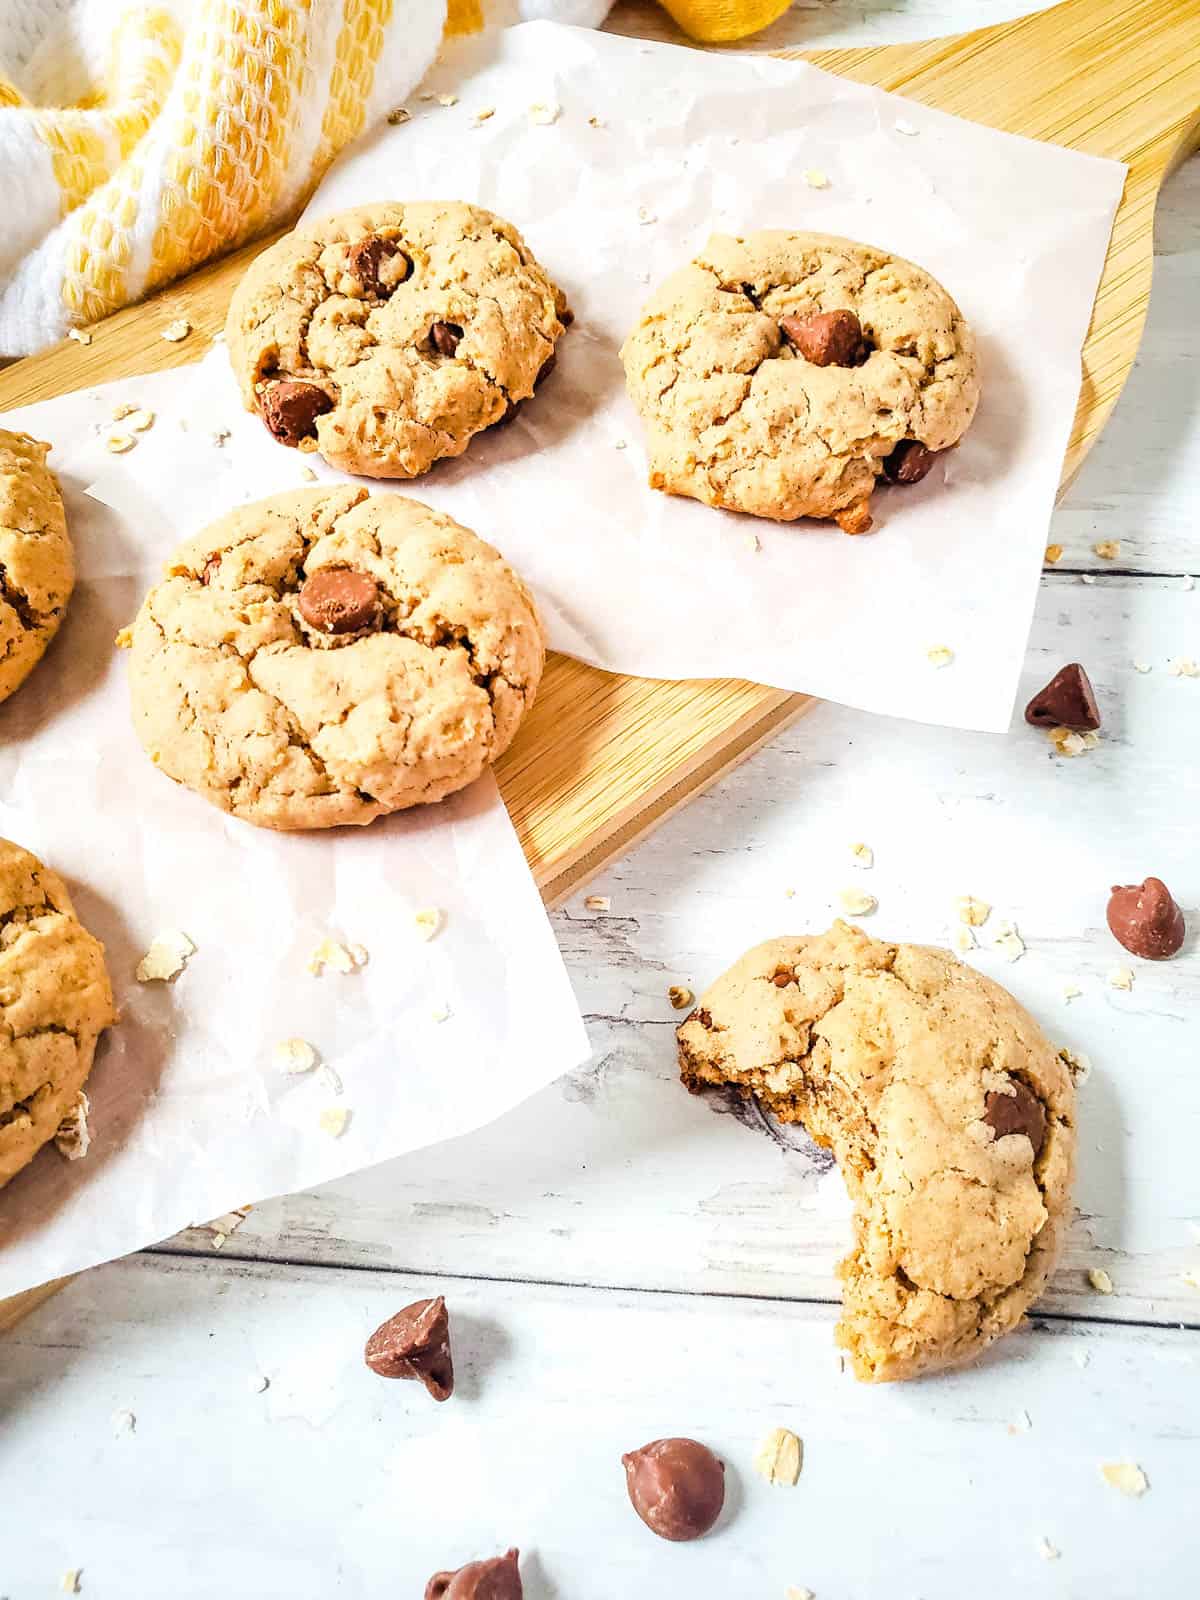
138, 138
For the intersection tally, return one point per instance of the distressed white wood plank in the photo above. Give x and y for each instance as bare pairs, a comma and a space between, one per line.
333, 1481
617, 1176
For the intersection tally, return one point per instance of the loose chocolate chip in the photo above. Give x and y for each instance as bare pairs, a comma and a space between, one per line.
290, 409
444, 337
366, 260
827, 338
339, 600
677, 1487
210, 569
1067, 701
1021, 1112
415, 1343
909, 462
497, 1579
1146, 920
546, 368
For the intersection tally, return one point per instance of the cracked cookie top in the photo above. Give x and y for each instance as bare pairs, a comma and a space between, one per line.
388, 336
950, 1116
37, 566
782, 374
328, 656
55, 1001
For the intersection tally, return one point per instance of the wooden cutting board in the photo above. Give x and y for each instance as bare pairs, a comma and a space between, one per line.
602, 759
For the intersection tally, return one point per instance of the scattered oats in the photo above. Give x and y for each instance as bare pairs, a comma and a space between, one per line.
645, 215
484, 114
680, 996
294, 1056
1141, 666
1054, 554
333, 1121
123, 410
329, 953
446, 99
619, 444
440, 1013
815, 178
1047, 1551
595, 122
778, 1457
544, 113
1069, 743
1125, 1476
596, 902
963, 939
799, 1594
857, 903
1087, 577
165, 959
1191, 1277
329, 1080
939, 655
80, 335
789, 894
1008, 942
70, 1580
220, 437
1121, 978
139, 420
1100, 1280
1183, 667
124, 639
1107, 549
175, 332
359, 954
971, 911
1079, 1066
1071, 991
308, 475
428, 94
218, 1240
117, 443
223, 1226
73, 1138
258, 1383
123, 1422
906, 128
399, 116
862, 855
428, 922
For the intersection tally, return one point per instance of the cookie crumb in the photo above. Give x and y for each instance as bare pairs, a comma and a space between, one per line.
963, 939
1071, 991
906, 128
175, 332
1069, 743
1141, 666
1008, 942
971, 911
1191, 1277
333, 1121
680, 996
359, 954
220, 437
80, 335
1121, 978
1054, 554
1126, 1476
124, 639
1183, 667
1079, 1066
543, 113
799, 1594
73, 1138
70, 1580
857, 903
1047, 1551
939, 655
779, 1457
329, 953
645, 215
619, 444
484, 114
815, 178
1099, 1280
446, 99
123, 1422
862, 855
595, 122
597, 902
221, 1227
398, 117
294, 1056
166, 958
1107, 549
118, 443
428, 923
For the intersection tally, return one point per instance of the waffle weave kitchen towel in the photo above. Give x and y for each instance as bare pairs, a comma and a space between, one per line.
140, 138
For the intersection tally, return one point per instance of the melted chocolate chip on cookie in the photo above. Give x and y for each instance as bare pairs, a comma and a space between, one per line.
339, 600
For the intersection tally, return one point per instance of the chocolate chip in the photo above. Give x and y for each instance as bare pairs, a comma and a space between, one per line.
290, 409
1145, 918
497, 1579
1021, 1112
566, 316
677, 1487
827, 338
415, 1343
909, 462
1067, 701
366, 260
339, 600
782, 979
210, 569
546, 368
444, 337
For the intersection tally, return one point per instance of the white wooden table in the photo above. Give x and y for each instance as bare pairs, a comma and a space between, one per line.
622, 1263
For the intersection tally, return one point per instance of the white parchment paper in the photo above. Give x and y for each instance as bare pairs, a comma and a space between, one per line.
190, 1115
636, 582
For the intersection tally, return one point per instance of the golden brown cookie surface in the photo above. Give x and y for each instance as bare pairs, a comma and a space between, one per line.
37, 565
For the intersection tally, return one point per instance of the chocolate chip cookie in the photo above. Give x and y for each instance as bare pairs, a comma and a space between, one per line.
328, 656
950, 1116
37, 565
387, 337
784, 374
55, 1002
